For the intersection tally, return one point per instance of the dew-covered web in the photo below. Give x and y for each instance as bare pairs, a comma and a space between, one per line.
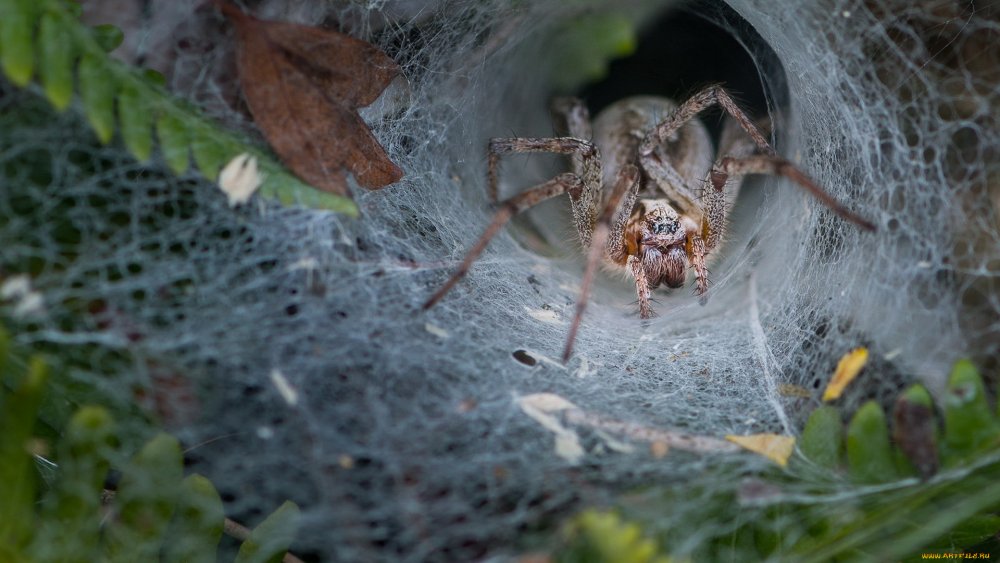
400, 432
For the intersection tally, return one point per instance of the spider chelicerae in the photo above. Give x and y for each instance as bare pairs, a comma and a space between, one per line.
648, 195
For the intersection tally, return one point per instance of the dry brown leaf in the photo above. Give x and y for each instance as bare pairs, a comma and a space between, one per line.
304, 86
775, 447
914, 432
847, 369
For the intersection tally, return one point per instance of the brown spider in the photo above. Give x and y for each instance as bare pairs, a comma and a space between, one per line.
645, 194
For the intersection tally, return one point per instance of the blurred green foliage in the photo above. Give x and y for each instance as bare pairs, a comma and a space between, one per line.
586, 45
155, 514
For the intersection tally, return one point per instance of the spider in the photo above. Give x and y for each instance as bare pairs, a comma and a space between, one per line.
646, 196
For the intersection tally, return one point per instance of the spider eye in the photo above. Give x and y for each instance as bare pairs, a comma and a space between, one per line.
665, 227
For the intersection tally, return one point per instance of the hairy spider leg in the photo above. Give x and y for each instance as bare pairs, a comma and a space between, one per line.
777, 166
583, 186
587, 167
708, 96
627, 183
715, 202
767, 163
576, 118
561, 184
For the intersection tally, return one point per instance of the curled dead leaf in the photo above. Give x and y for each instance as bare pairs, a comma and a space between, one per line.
847, 369
304, 86
914, 430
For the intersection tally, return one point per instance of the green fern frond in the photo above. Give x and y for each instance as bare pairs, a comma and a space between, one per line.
47, 39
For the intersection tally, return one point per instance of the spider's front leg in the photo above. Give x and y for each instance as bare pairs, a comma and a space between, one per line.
697, 251
606, 239
561, 184
718, 188
642, 292
586, 167
583, 189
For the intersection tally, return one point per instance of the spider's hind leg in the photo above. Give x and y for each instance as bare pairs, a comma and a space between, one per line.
573, 114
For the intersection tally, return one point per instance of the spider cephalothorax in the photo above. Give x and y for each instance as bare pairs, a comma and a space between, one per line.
645, 194
655, 237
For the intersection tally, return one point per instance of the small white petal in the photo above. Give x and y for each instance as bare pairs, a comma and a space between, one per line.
240, 179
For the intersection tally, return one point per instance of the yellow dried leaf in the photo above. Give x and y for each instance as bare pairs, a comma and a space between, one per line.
847, 369
775, 447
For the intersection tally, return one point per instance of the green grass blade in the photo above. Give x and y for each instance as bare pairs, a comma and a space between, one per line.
18, 413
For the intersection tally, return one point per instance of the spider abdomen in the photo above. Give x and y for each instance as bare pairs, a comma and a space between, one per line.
620, 128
